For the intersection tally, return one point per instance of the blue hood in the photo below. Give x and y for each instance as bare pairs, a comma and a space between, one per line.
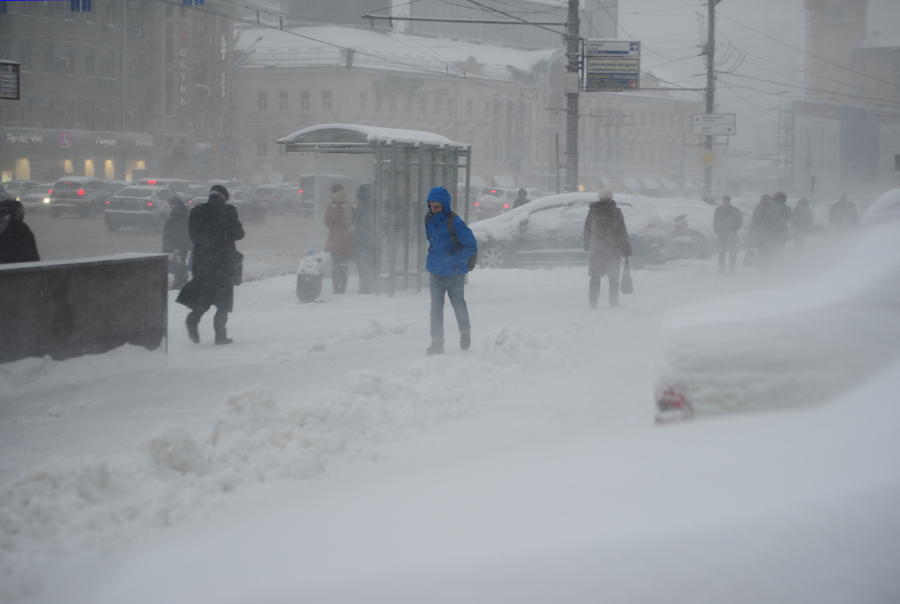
442, 196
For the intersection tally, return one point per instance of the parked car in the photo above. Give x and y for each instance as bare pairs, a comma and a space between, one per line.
144, 207
307, 189
117, 185
37, 199
276, 199
81, 195
797, 345
17, 188
179, 187
550, 231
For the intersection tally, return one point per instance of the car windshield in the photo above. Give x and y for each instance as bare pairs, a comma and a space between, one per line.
135, 192
68, 185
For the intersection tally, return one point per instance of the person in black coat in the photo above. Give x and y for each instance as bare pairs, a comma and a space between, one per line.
364, 237
727, 220
17, 242
177, 240
213, 227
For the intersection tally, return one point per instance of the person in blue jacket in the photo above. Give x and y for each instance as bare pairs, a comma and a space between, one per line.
448, 262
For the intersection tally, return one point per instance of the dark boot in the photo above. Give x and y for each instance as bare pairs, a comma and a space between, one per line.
465, 339
219, 322
193, 320
437, 347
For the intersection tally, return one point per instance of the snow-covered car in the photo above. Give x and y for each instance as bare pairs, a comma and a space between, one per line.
81, 195
491, 202
885, 209
248, 209
17, 188
144, 207
785, 347
277, 199
550, 231
37, 199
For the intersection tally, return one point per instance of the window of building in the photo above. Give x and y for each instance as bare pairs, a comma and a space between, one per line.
89, 116
200, 72
201, 24
362, 102
27, 8
48, 57
25, 54
393, 104
262, 149
67, 60
109, 12
282, 100
450, 110
469, 109
326, 100
377, 102
304, 100
135, 66
262, 101
89, 61
109, 64
48, 9
408, 108
422, 105
4, 50
437, 106
169, 93
170, 10
169, 41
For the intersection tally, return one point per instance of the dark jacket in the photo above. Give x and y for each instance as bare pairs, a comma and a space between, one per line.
214, 227
176, 237
364, 226
727, 220
445, 258
605, 237
339, 220
17, 242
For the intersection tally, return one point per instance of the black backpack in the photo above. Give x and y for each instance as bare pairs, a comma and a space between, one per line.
473, 259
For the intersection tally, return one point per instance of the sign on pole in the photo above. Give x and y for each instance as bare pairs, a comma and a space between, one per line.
611, 65
715, 124
9, 80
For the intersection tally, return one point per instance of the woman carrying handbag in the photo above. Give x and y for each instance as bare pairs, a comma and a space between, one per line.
606, 238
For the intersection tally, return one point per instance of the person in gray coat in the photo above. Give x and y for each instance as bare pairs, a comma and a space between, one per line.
727, 220
606, 238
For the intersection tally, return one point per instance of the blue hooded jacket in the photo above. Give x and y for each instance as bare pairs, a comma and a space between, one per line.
445, 258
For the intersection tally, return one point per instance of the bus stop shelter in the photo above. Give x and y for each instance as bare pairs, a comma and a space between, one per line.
402, 166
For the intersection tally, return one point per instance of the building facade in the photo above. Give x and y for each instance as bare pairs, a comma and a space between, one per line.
129, 85
507, 103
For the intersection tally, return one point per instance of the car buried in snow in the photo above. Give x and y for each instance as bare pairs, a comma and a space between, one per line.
550, 232
143, 207
792, 346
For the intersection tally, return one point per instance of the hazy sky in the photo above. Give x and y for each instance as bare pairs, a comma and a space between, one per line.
762, 42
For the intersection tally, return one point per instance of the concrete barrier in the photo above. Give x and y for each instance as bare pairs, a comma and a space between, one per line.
86, 306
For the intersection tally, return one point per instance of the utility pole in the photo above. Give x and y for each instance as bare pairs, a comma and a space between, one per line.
710, 90
573, 85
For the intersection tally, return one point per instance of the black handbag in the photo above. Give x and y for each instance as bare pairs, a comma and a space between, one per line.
627, 285
237, 272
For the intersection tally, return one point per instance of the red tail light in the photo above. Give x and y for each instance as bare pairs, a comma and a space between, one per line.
476, 204
81, 191
151, 182
493, 191
300, 191
107, 202
276, 199
149, 204
505, 206
50, 192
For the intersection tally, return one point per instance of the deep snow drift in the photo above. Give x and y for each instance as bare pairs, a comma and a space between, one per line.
322, 457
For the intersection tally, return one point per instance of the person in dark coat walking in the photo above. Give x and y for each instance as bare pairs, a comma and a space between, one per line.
364, 237
339, 220
17, 242
448, 263
779, 220
177, 240
606, 238
843, 216
213, 227
727, 220
521, 198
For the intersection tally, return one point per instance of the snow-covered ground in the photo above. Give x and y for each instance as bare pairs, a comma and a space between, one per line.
323, 457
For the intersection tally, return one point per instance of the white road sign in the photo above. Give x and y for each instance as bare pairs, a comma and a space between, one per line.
715, 124
612, 65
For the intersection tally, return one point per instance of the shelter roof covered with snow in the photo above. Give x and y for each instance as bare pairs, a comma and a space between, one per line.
355, 134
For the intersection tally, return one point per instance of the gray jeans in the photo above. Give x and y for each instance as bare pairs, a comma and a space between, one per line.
454, 288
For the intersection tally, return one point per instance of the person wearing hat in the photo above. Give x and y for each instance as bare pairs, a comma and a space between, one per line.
177, 240
521, 198
606, 238
451, 244
17, 242
213, 228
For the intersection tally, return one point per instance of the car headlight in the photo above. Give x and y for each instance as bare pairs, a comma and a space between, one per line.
46, 200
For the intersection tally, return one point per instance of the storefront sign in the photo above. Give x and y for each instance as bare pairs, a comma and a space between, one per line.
65, 139
25, 138
183, 74
143, 143
105, 142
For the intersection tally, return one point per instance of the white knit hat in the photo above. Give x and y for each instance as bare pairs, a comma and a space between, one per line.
605, 194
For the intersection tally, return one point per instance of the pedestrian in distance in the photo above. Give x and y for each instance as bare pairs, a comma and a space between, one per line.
606, 238
727, 220
364, 237
843, 216
779, 222
177, 241
451, 245
801, 224
214, 227
339, 220
17, 243
521, 198
760, 232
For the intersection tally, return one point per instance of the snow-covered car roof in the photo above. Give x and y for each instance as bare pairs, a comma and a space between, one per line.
784, 347
885, 209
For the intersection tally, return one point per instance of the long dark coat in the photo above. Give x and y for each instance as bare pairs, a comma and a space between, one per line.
727, 220
339, 219
176, 237
17, 243
606, 238
214, 227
